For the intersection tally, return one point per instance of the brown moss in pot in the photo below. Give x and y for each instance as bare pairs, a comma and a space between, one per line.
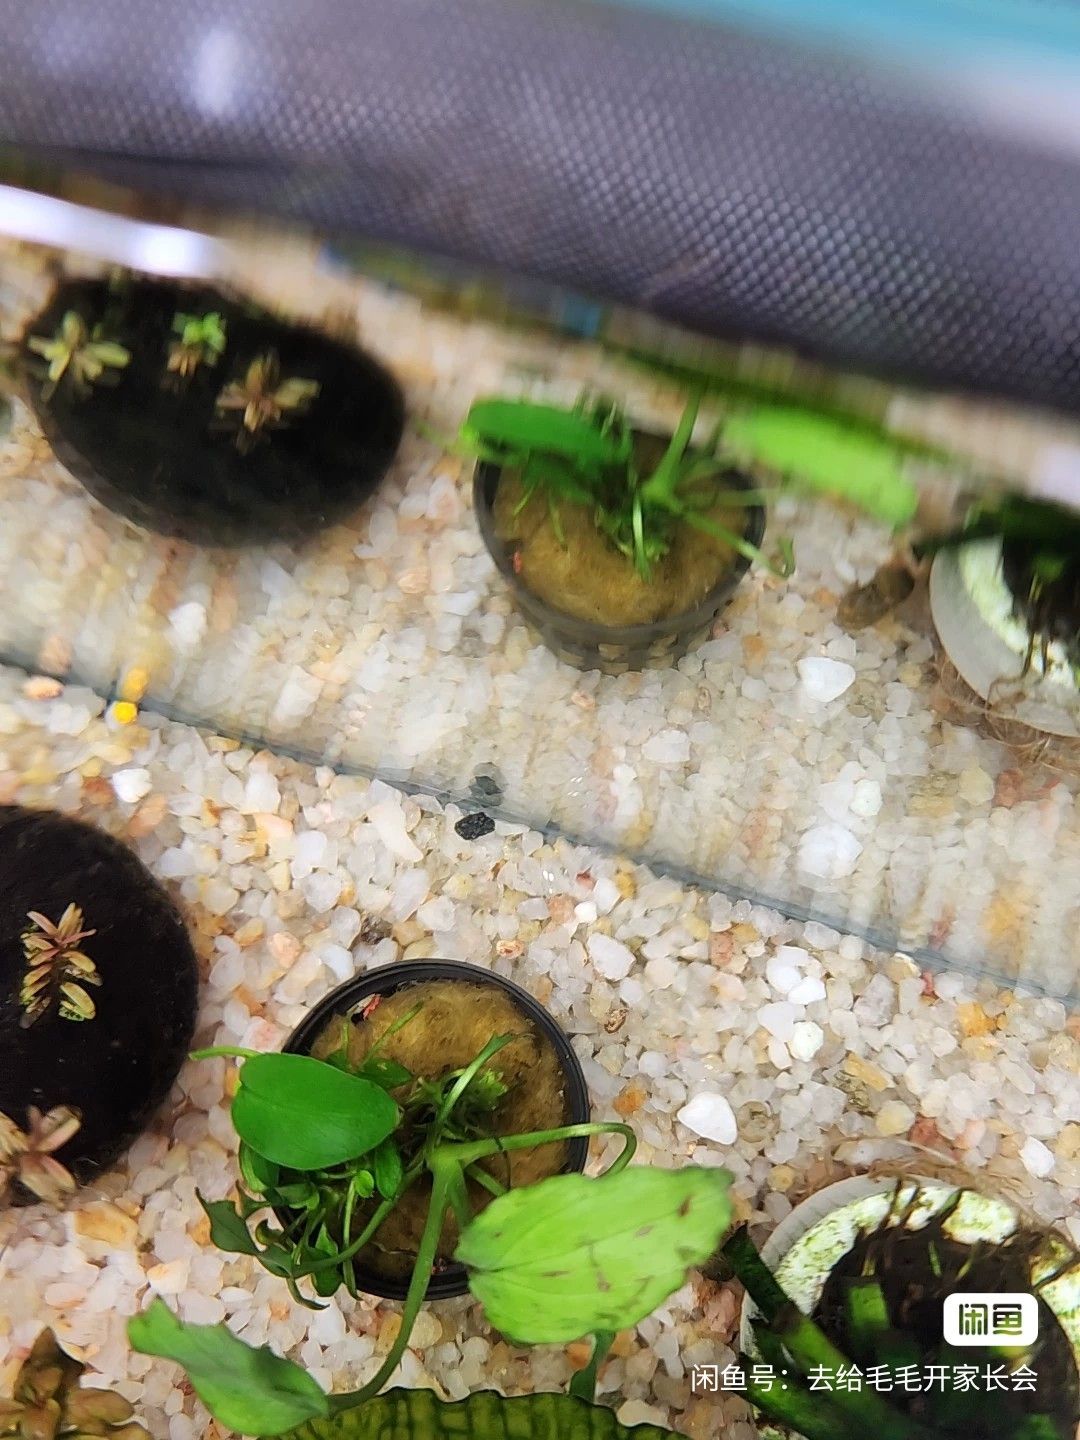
609, 526
435, 1029
97, 1001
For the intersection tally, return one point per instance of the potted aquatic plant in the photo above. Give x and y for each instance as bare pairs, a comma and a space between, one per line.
92, 1034
1005, 596
198, 416
621, 547
849, 1328
335, 1147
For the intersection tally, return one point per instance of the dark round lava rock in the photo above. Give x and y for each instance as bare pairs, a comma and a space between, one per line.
132, 973
472, 827
156, 448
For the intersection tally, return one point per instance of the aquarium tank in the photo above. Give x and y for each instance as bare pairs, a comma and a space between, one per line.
540, 719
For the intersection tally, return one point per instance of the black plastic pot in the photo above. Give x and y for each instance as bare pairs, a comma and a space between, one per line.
614, 650
157, 453
387, 981
117, 1067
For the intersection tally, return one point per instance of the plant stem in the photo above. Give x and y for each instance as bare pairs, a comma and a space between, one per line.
809, 1347
228, 1050
583, 1384
442, 1177
465, 1155
737, 542
659, 488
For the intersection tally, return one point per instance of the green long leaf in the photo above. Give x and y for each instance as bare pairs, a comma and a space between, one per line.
253, 1391
523, 425
227, 1228
307, 1115
420, 1415
572, 1256
823, 454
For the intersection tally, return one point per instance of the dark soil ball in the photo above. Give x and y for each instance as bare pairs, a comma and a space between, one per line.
117, 1067
160, 453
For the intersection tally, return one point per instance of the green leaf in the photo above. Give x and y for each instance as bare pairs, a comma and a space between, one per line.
253, 1391
419, 1415
523, 425
306, 1115
387, 1074
824, 454
259, 1174
227, 1228
388, 1169
572, 1256
109, 353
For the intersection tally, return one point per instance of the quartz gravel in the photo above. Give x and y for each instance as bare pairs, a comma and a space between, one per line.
723, 1032
813, 768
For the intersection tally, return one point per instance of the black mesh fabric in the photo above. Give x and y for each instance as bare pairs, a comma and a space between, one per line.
726, 182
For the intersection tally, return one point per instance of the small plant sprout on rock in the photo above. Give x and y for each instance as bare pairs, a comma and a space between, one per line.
56, 967
201, 342
48, 1401
325, 1141
76, 353
26, 1157
263, 401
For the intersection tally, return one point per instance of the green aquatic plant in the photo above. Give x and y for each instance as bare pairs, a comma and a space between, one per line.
884, 1301
77, 353
1040, 561
554, 1261
201, 341
587, 454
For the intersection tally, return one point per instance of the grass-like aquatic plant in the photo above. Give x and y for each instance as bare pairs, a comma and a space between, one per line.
586, 454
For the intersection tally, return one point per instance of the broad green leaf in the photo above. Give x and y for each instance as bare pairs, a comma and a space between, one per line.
387, 1074
388, 1169
572, 1256
227, 1228
253, 1391
419, 1415
522, 425
259, 1174
306, 1115
825, 454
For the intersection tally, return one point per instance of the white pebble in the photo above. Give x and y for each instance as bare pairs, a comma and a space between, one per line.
1038, 1159
784, 969
829, 851
806, 1038
188, 624
779, 1019
261, 794
132, 785
669, 747
709, 1115
808, 991
610, 957
388, 817
866, 799
824, 679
